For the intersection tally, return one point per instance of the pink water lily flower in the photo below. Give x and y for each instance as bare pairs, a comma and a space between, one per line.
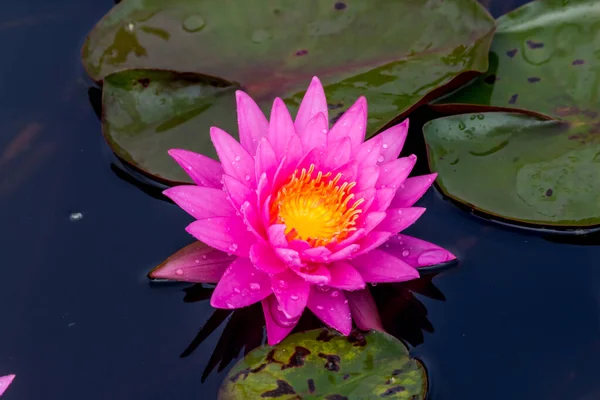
5, 381
298, 214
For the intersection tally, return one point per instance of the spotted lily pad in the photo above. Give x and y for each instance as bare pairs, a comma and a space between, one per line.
544, 60
273, 48
321, 364
517, 167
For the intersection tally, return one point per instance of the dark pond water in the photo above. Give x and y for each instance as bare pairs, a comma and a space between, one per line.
518, 318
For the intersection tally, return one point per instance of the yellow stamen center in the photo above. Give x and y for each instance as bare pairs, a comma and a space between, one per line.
316, 208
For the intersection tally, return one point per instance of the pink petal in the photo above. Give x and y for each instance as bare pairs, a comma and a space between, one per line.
371, 220
398, 219
331, 307
417, 252
352, 124
241, 285
373, 241
392, 141
204, 171
290, 257
265, 259
252, 220
291, 292
337, 154
394, 173
383, 199
349, 171
194, 263
315, 135
278, 325
276, 234
228, 234
316, 254
281, 127
344, 253
367, 178
299, 245
368, 152
200, 201
289, 163
238, 192
345, 276
364, 310
414, 188
235, 160
318, 275
266, 160
368, 196
263, 190
313, 103
356, 235
379, 266
5, 381
252, 123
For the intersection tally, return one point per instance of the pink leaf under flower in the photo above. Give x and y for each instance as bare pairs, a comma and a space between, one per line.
241, 285
5, 381
196, 262
364, 310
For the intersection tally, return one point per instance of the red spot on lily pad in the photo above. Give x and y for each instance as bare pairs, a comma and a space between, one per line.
578, 62
511, 53
302, 52
534, 45
340, 5
513, 99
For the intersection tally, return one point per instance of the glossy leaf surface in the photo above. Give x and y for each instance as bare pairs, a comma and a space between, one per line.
271, 49
517, 167
321, 364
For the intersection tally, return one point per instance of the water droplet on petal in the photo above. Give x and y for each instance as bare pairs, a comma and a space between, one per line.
247, 177
193, 23
229, 305
374, 284
405, 253
335, 293
237, 158
346, 301
283, 284
319, 307
233, 247
385, 146
254, 286
294, 297
204, 256
380, 159
237, 290
197, 261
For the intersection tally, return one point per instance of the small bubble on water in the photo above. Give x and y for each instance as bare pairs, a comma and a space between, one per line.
76, 216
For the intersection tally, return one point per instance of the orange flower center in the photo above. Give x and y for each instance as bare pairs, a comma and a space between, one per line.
316, 208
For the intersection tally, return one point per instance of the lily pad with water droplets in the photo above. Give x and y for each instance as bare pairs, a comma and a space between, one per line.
544, 60
321, 364
273, 48
517, 167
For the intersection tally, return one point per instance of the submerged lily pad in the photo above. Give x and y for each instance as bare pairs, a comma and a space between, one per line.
517, 167
269, 49
321, 364
544, 60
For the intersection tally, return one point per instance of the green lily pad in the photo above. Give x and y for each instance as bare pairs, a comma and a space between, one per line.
544, 61
321, 364
270, 49
544, 58
517, 167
